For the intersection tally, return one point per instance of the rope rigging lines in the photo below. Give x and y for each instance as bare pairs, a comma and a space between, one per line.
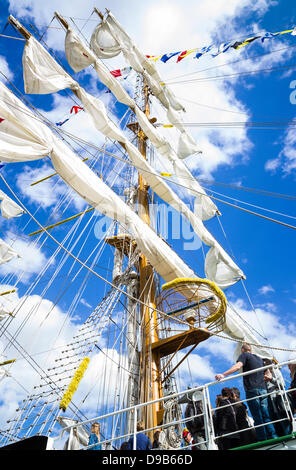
69, 253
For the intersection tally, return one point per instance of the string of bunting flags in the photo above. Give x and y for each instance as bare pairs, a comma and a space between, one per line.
214, 49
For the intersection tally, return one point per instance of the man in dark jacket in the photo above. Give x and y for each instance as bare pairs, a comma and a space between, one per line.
142, 441
196, 424
254, 386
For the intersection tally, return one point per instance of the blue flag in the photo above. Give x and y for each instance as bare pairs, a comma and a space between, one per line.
168, 56
61, 122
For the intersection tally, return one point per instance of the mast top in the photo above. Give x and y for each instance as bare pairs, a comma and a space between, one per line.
61, 19
24, 32
99, 13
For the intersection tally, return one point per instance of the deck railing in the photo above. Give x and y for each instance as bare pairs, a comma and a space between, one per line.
201, 393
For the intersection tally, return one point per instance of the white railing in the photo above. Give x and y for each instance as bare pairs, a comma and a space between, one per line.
203, 391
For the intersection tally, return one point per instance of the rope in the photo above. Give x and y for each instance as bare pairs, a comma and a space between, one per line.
178, 184
77, 259
240, 340
234, 62
231, 75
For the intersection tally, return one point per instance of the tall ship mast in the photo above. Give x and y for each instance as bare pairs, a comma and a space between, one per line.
156, 309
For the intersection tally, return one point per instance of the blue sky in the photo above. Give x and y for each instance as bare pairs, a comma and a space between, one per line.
262, 159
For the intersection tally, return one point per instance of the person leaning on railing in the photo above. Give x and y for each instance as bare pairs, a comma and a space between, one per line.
254, 386
292, 393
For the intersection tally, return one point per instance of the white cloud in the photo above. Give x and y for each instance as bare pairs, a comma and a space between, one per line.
267, 322
164, 26
4, 68
30, 261
194, 371
157, 27
40, 327
48, 193
266, 289
84, 302
285, 161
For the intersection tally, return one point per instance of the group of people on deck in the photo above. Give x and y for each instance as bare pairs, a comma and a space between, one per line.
231, 420
232, 424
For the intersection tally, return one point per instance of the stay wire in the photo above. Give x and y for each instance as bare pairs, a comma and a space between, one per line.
179, 184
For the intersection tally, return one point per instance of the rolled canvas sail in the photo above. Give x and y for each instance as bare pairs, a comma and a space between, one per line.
103, 43
9, 208
142, 65
80, 178
6, 252
76, 52
102, 122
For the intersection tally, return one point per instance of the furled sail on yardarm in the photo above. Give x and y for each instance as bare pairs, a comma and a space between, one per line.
156, 308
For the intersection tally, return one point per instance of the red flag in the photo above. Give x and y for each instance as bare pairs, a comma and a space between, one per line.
1, 119
75, 109
116, 73
181, 56
121, 72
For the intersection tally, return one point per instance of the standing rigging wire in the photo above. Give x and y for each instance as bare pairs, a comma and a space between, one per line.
174, 182
231, 75
248, 297
68, 273
255, 206
232, 62
53, 405
252, 190
89, 274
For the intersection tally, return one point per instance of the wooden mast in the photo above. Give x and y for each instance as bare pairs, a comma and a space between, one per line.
150, 382
150, 388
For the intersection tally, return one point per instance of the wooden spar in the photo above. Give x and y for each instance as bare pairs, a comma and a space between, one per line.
24, 32
49, 176
62, 221
43, 179
99, 13
61, 20
7, 292
5, 363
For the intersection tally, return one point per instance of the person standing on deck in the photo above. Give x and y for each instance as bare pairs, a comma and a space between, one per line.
254, 386
94, 438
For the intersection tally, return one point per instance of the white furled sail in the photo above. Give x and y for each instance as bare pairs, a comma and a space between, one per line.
79, 56
4, 312
36, 65
91, 188
78, 437
98, 112
6, 252
82, 180
239, 330
9, 208
104, 44
147, 69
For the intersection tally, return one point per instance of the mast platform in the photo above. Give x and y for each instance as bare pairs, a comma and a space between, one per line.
170, 345
123, 243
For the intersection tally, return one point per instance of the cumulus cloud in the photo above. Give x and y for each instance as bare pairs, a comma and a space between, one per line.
5, 70
30, 261
266, 289
163, 27
36, 325
48, 193
285, 162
